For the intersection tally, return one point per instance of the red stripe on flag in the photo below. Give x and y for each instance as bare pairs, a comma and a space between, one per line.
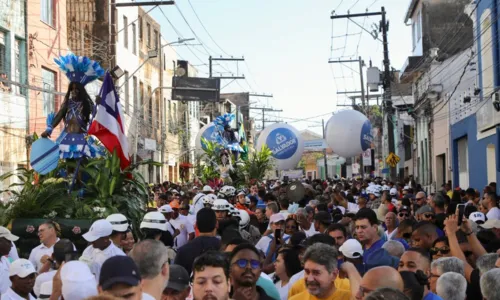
110, 141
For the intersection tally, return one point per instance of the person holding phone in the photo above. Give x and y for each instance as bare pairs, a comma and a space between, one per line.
269, 244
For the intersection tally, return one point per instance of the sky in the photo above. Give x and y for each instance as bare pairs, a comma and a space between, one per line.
286, 46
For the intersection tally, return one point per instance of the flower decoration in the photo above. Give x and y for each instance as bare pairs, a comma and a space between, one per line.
30, 229
76, 230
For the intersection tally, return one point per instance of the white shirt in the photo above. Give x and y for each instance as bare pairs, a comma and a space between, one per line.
185, 227
42, 278
352, 207
263, 243
38, 252
295, 278
311, 231
4, 275
283, 290
13, 252
493, 213
285, 213
147, 297
94, 258
11, 295
390, 235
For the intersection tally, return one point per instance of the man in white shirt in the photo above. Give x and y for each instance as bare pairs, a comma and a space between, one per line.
120, 228
182, 225
22, 275
101, 247
48, 234
490, 202
277, 221
6, 242
306, 226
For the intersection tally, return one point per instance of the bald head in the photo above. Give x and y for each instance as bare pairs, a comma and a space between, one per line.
390, 220
380, 277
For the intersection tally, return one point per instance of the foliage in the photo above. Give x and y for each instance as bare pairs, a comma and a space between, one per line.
258, 164
102, 189
209, 170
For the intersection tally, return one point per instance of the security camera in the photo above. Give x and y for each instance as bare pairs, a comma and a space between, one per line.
495, 99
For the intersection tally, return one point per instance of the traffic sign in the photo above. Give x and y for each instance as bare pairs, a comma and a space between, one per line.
392, 160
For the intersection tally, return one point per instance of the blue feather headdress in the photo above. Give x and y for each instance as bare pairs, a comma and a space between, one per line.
79, 68
222, 121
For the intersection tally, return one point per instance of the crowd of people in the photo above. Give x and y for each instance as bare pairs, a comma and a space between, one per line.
344, 239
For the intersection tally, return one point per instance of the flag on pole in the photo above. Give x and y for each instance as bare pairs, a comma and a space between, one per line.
108, 125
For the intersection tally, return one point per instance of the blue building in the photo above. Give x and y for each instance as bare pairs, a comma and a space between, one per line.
474, 136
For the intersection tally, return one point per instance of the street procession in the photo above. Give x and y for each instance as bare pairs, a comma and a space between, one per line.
137, 162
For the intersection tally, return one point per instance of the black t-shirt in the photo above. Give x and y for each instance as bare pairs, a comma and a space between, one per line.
189, 252
440, 220
473, 288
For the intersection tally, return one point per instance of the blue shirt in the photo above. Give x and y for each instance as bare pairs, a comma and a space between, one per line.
269, 287
377, 245
432, 296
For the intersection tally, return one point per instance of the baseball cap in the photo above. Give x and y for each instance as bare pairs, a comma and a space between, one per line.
119, 222
477, 217
404, 208
100, 228
5, 233
323, 217
119, 269
393, 192
178, 278
45, 290
351, 249
165, 209
491, 223
405, 188
276, 218
175, 192
424, 209
154, 220
207, 188
78, 282
21, 268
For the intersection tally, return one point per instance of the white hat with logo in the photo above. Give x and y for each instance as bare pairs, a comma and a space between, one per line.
351, 249
99, 229
21, 268
5, 233
119, 222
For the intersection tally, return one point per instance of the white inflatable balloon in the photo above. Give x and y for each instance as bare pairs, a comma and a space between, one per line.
209, 133
286, 144
348, 133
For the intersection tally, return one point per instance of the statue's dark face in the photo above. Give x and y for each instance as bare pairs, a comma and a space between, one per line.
74, 91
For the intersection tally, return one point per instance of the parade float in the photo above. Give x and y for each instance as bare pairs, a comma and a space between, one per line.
83, 174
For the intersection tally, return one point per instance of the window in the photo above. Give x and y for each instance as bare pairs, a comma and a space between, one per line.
414, 34
149, 115
419, 25
20, 64
126, 92
141, 99
140, 28
3, 53
47, 13
49, 83
134, 89
148, 36
134, 39
155, 41
125, 32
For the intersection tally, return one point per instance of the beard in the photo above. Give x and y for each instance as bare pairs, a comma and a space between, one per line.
246, 281
314, 288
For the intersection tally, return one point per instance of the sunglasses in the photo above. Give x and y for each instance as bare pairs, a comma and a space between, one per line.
444, 250
404, 214
429, 216
418, 199
243, 263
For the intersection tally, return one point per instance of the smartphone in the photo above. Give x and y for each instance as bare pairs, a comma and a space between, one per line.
277, 236
461, 210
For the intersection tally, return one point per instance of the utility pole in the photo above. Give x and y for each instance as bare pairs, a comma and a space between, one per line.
384, 28
324, 150
362, 92
264, 109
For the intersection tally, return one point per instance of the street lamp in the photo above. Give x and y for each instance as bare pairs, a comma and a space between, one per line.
154, 53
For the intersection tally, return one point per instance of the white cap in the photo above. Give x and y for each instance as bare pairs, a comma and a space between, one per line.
491, 223
22, 268
241, 193
393, 192
244, 218
78, 282
276, 218
154, 220
45, 290
477, 216
405, 188
351, 249
207, 188
165, 209
174, 191
119, 222
220, 205
5, 233
99, 229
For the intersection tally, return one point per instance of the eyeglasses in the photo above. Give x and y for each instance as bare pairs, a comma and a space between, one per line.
444, 250
242, 263
404, 214
429, 216
418, 199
